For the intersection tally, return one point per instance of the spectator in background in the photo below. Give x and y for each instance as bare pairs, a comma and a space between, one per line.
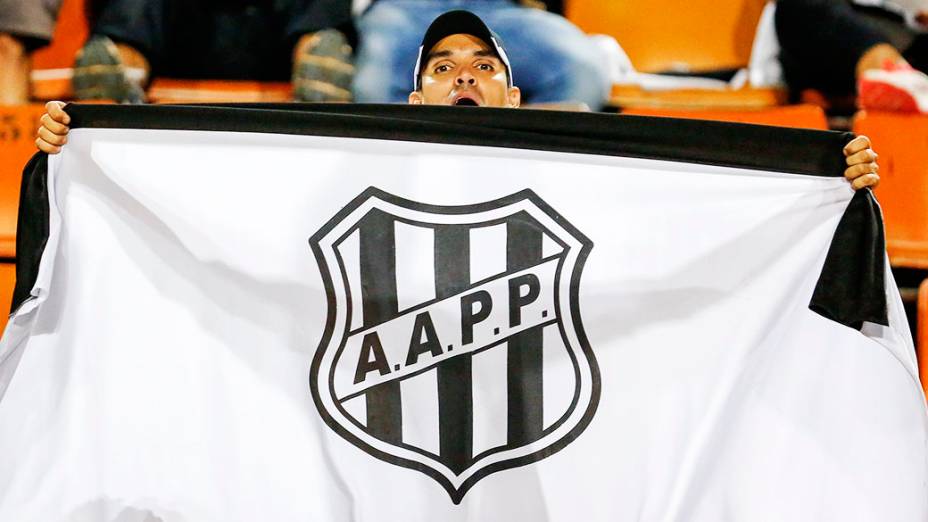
836, 46
24, 26
462, 62
553, 59
305, 41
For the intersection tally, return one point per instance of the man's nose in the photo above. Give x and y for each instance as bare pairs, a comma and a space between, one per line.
466, 77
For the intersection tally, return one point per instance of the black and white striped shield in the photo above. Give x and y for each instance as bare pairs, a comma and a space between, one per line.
453, 343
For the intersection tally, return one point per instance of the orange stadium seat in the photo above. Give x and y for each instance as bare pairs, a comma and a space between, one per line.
674, 35
165, 90
689, 36
746, 98
17, 145
17, 130
902, 143
7, 283
798, 116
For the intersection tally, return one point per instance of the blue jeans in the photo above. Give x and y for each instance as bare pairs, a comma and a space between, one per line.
552, 60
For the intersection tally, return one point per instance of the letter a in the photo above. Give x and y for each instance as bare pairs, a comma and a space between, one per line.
418, 346
370, 345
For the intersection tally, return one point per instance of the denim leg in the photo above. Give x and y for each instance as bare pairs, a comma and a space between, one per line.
552, 59
390, 34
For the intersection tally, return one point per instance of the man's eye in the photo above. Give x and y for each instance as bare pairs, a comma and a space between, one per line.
485, 67
442, 68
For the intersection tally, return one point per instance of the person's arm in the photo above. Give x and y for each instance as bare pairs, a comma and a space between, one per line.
863, 170
53, 133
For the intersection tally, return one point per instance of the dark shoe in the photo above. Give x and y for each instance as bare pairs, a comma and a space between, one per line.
323, 70
99, 74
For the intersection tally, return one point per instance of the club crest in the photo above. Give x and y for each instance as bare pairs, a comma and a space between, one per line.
453, 343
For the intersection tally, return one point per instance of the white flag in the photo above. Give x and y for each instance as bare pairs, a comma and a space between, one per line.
243, 314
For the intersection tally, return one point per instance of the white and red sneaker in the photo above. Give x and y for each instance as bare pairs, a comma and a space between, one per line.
893, 88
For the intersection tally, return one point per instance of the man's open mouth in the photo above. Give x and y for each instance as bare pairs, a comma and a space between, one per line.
466, 102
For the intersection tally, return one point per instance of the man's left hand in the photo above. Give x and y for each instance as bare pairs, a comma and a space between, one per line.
863, 170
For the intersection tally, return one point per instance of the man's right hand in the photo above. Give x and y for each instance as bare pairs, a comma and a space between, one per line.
53, 133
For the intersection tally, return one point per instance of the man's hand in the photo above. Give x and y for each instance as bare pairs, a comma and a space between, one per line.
54, 130
862, 170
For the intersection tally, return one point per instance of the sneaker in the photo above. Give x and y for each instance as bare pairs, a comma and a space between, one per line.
893, 88
99, 74
323, 70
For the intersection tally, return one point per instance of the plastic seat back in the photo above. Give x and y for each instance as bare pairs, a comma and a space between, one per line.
902, 144
674, 35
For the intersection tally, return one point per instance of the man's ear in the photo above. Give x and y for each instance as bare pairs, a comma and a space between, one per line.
515, 97
416, 98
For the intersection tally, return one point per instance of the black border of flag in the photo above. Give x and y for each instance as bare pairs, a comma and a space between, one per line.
850, 289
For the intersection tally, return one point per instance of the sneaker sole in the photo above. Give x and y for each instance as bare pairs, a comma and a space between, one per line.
323, 72
99, 74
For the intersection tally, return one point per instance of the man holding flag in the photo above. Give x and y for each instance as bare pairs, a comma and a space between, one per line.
462, 62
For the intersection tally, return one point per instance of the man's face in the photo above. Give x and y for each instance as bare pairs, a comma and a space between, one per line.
463, 70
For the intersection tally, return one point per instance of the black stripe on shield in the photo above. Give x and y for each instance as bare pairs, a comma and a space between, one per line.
378, 295
525, 422
455, 397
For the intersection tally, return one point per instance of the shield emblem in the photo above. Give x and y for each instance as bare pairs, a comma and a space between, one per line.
453, 343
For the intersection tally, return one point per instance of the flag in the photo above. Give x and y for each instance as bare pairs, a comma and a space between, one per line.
289, 313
